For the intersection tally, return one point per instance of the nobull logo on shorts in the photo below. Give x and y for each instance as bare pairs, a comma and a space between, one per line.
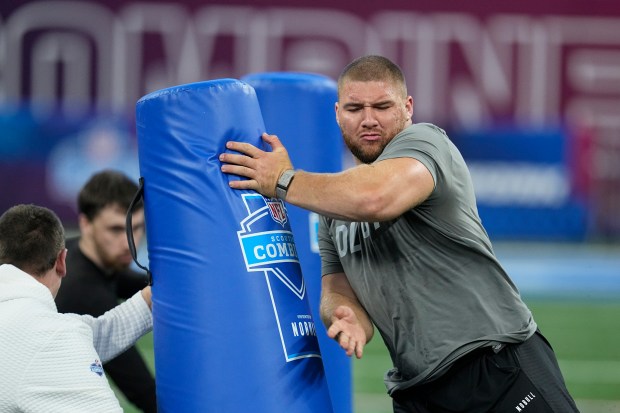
268, 247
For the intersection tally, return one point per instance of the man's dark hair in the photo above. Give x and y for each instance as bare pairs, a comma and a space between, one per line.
373, 68
106, 188
31, 237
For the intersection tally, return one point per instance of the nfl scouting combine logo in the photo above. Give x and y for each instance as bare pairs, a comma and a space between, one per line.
268, 246
97, 368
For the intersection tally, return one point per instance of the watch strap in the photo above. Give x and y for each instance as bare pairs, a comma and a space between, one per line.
284, 182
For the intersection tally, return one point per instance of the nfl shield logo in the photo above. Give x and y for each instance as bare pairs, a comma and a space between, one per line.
277, 210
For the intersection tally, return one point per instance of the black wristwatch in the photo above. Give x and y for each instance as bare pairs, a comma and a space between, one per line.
284, 182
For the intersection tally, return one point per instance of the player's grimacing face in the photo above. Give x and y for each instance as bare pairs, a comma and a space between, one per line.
370, 114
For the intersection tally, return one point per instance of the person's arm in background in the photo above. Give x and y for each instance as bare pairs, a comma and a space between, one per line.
345, 319
121, 327
131, 374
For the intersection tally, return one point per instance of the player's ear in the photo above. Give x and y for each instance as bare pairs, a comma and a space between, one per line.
409, 107
336, 109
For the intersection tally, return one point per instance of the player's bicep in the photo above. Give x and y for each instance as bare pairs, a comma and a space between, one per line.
407, 182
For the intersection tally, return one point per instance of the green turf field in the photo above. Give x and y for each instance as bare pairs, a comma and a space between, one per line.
584, 334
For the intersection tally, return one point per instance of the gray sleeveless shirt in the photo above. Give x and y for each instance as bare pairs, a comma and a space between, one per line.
429, 279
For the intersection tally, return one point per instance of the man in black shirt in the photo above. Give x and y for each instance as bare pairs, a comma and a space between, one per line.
99, 275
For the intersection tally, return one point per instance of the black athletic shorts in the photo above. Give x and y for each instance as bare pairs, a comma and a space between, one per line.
520, 378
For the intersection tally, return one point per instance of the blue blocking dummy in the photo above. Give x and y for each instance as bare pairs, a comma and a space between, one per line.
299, 108
233, 330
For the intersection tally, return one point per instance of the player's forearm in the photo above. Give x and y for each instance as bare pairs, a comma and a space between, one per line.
347, 195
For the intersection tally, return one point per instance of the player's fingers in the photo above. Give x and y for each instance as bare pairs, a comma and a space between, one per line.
244, 147
351, 348
333, 331
236, 159
238, 170
359, 349
243, 184
343, 340
347, 343
272, 140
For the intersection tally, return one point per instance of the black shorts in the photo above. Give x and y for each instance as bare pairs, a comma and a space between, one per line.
521, 378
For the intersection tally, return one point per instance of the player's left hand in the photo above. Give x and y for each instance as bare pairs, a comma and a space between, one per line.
347, 331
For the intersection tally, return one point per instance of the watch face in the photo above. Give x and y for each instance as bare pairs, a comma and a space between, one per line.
286, 178
284, 182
